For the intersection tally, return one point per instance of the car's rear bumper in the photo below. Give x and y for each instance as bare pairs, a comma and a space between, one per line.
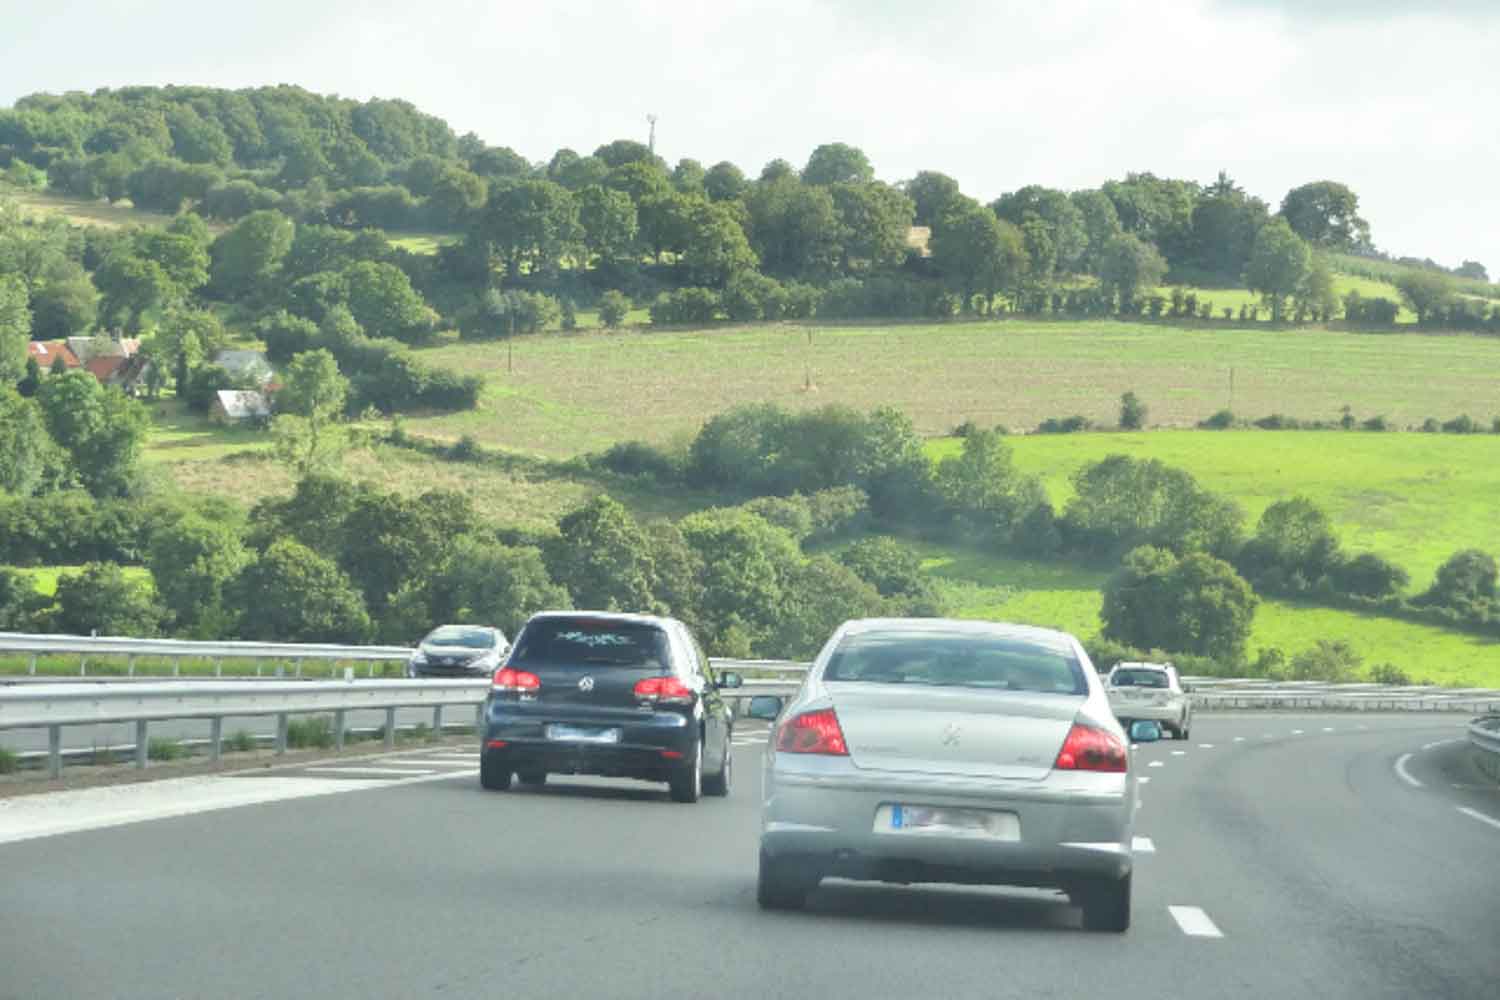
1149, 713
650, 745
1065, 833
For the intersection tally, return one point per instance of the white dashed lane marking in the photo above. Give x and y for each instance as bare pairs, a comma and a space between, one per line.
1403, 773
1143, 780
1476, 814
1179, 753
1205, 746
1142, 845
1296, 732
1155, 763
368, 772
1194, 922
1239, 739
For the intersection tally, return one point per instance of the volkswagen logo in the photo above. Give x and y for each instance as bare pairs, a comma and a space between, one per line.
950, 735
586, 684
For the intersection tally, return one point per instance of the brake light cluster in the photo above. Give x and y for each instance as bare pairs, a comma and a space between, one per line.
663, 691
1090, 749
511, 679
817, 732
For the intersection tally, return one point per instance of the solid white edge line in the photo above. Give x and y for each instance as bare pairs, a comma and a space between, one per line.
1194, 922
1476, 814
369, 772
1403, 773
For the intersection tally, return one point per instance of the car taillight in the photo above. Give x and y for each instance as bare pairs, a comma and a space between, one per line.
511, 679
1090, 749
663, 691
813, 732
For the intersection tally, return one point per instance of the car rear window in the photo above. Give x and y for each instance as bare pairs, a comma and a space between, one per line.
1138, 678
1001, 662
591, 643
458, 635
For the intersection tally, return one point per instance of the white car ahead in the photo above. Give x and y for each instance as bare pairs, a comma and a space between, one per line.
1150, 692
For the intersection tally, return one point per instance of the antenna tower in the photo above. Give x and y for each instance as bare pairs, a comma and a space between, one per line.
651, 143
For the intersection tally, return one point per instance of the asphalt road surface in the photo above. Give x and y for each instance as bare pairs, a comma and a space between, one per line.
1278, 856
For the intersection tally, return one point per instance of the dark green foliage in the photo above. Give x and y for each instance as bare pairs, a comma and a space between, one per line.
19, 602
101, 599
614, 306
895, 571
1195, 604
686, 306
1334, 661
1220, 421
981, 489
753, 296
503, 314
1120, 503
1465, 582
101, 429
292, 594
637, 458
603, 558
819, 595
1369, 576
1064, 425
1462, 424
1132, 412
191, 561
1293, 548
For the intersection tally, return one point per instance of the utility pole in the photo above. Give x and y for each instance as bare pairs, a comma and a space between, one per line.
651, 142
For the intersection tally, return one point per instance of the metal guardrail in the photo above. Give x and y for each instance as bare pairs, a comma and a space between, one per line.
176, 650
1484, 733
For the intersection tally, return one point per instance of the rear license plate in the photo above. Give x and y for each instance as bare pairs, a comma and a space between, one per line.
582, 734
943, 821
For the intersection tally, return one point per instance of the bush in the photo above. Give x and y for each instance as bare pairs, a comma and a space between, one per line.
1334, 661
1369, 576
1462, 424
164, 748
1223, 420
316, 731
1431, 426
240, 741
685, 306
286, 336
637, 458
614, 306
465, 449
1389, 673
1132, 412
750, 296
1064, 425
502, 314
1278, 422
1376, 423
1196, 604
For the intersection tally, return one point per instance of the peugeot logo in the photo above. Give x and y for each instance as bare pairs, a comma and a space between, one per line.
586, 684
950, 735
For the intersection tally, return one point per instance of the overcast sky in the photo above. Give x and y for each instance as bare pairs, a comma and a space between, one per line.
1396, 99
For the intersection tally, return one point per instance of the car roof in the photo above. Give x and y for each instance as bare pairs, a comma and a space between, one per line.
958, 626
1159, 667
613, 616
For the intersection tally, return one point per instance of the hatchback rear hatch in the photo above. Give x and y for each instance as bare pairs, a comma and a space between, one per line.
592, 662
970, 704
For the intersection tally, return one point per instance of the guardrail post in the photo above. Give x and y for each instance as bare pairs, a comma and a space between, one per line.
370, 672
437, 720
54, 752
298, 665
390, 729
141, 744
281, 721
32, 669
215, 738
479, 718
338, 729
83, 665
257, 668
218, 667
130, 665
177, 666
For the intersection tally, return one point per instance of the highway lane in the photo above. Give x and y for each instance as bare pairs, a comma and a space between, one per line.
1321, 869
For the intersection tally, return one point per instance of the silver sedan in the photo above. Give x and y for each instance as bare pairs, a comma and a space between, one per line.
926, 750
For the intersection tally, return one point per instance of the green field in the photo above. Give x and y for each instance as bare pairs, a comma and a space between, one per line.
1413, 498
569, 394
1343, 284
1067, 597
45, 577
83, 212
422, 243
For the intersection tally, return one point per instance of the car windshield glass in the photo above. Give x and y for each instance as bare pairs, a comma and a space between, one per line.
591, 642
457, 635
1139, 678
1002, 662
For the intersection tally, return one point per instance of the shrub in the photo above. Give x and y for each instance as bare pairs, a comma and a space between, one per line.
1368, 575
1132, 412
1431, 426
465, 449
1120, 503
240, 741
502, 314
1462, 424
1223, 420
684, 306
1196, 604
801, 300
1334, 661
637, 458
1278, 422
164, 748
1495, 426
614, 306
1376, 423
316, 731
1389, 673
966, 428
1064, 425
750, 296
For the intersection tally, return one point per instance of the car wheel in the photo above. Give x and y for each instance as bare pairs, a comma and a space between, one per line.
493, 774
718, 784
783, 883
687, 782
536, 778
1106, 905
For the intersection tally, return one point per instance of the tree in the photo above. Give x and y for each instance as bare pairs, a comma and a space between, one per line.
246, 259
289, 593
387, 542
63, 300
1465, 581
15, 328
1472, 270
724, 182
1316, 298
1195, 604
688, 177
820, 595
874, 221
1062, 218
614, 306
895, 570
192, 560
385, 304
529, 224
982, 487
623, 151
609, 223
1294, 546
19, 601
184, 339
456, 195
837, 163
745, 564
715, 246
132, 286
793, 228
1132, 412
101, 429
977, 253
1278, 264
1225, 223
25, 447
1128, 266
1368, 575
309, 405
102, 600
1120, 503
1101, 223
931, 194
603, 558
1424, 291
483, 581
1326, 213
1159, 210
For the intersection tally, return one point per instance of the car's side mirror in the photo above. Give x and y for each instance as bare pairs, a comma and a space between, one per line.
1145, 731
730, 679
764, 706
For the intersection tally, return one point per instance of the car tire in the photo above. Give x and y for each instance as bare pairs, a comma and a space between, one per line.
718, 784
783, 883
494, 774
1106, 905
686, 783
534, 778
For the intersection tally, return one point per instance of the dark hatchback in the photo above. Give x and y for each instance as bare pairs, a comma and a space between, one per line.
615, 695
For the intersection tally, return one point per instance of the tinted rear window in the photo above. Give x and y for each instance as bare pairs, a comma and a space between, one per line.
1138, 678
1000, 662
592, 643
457, 635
